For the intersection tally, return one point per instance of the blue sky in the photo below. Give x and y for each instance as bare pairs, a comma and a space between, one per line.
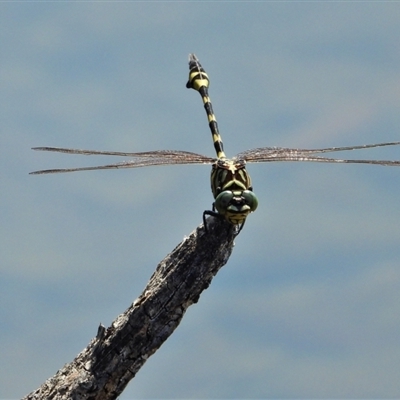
308, 304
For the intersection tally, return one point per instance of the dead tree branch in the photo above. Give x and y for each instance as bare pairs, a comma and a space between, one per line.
105, 367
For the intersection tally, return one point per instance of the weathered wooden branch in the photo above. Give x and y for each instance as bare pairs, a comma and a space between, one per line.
115, 355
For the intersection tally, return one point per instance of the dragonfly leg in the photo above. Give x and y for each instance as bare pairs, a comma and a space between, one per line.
237, 228
213, 214
240, 227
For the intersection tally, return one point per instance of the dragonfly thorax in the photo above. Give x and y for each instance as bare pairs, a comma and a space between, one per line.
229, 175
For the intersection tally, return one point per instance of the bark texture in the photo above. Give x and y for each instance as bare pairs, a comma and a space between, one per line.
104, 368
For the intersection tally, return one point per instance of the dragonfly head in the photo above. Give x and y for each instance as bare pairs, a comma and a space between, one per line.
236, 205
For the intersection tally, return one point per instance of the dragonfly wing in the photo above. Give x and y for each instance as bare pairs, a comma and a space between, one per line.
347, 148
267, 154
150, 154
138, 162
310, 158
348, 161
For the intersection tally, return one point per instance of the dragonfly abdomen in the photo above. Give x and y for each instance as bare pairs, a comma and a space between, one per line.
198, 80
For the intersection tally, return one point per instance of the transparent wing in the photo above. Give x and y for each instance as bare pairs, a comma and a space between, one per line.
267, 154
155, 153
142, 159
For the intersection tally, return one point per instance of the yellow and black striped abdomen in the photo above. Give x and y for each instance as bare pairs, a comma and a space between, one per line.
198, 80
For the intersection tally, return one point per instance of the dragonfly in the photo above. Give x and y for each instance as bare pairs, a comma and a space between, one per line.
231, 185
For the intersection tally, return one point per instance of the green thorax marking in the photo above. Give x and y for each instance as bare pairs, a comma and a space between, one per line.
229, 175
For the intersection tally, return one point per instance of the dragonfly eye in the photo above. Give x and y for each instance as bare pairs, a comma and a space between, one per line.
250, 199
238, 200
223, 200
